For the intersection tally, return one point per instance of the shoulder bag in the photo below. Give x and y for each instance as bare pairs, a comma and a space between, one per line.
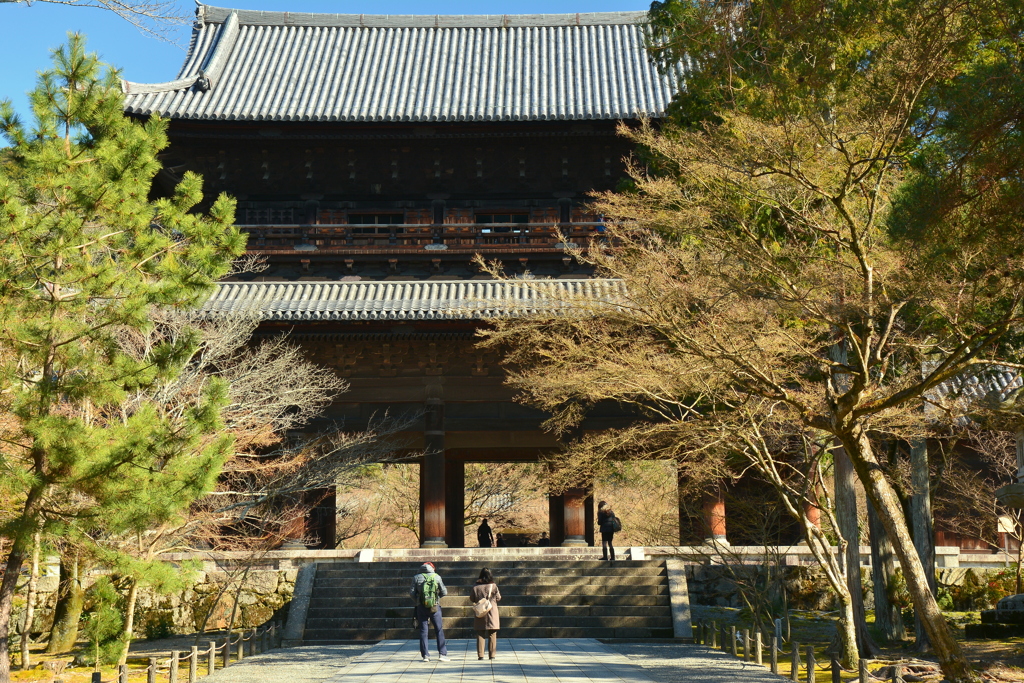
482, 606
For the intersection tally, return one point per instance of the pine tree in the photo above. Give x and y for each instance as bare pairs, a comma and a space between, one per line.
85, 255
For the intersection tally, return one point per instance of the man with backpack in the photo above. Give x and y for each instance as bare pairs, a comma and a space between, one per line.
427, 591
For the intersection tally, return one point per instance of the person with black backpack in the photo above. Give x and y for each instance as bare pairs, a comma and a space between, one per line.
427, 590
608, 524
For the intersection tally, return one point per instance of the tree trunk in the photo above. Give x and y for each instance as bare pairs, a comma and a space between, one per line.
129, 620
30, 603
888, 618
68, 611
846, 516
880, 492
921, 518
15, 558
12, 571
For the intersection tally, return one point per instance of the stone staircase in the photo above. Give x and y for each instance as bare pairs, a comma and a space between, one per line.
353, 601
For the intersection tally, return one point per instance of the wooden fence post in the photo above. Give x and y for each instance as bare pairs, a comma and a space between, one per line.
252, 643
211, 665
862, 671
810, 664
227, 650
714, 634
732, 641
795, 673
897, 673
836, 670
173, 673
151, 671
775, 655
757, 648
122, 673
193, 664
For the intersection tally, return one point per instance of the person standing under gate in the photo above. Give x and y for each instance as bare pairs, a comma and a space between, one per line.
485, 596
608, 524
427, 590
484, 536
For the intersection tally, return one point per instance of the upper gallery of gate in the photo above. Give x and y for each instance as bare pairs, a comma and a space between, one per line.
247, 65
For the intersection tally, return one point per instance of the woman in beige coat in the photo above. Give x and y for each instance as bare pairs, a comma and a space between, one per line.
486, 626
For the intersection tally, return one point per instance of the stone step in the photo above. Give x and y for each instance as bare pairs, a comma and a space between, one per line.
361, 571
341, 636
466, 621
511, 582
1000, 631
538, 589
345, 600
319, 611
542, 599
478, 565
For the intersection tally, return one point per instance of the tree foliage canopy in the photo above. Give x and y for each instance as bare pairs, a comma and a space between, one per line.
86, 257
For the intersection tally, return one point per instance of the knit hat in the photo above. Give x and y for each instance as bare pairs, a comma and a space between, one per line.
427, 567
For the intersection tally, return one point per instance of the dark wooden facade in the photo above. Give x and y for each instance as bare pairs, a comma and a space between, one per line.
391, 194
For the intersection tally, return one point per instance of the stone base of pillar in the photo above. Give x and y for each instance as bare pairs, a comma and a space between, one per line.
716, 540
433, 543
574, 542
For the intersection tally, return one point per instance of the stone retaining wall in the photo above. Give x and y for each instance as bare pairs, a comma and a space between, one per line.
264, 595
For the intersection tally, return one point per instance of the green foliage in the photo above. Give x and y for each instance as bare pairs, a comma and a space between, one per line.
159, 626
104, 621
978, 592
84, 257
91, 451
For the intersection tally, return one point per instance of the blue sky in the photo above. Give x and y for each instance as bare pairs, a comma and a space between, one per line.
30, 32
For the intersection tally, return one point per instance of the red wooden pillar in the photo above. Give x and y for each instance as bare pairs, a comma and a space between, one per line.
588, 518
713, 507
321, 518
432, 477
556, 519
574, 516
455, 503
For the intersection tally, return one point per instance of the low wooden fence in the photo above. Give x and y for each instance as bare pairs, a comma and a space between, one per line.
750, 644
244, 644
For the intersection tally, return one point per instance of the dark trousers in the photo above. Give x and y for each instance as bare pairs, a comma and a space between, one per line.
424, 617
607, 541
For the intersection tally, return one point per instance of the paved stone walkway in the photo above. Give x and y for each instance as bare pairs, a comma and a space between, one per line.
519, 661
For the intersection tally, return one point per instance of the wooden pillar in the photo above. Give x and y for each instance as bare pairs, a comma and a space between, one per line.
321, 520
574, 517
433, 476
455, 502
556, 519
713, 507
588, 518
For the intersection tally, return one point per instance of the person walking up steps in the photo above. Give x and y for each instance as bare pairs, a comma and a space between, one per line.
485, 596
608, 524
427, 590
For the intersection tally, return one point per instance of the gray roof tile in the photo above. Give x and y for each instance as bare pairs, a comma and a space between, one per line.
414, 300
282, 66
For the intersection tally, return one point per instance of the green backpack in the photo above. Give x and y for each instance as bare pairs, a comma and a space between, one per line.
429, 591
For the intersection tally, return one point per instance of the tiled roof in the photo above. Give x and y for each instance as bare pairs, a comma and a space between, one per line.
284, 66
415, 300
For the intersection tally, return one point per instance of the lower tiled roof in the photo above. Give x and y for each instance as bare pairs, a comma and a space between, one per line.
415, 300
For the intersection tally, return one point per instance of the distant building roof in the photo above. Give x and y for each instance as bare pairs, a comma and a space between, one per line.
415, 300
247, 65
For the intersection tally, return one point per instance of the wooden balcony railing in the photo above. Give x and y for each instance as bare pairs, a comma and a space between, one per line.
419, 236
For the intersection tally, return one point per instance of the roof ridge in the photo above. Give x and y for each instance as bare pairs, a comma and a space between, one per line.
208, 14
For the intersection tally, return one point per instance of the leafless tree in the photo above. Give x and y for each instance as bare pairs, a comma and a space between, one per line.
157, 18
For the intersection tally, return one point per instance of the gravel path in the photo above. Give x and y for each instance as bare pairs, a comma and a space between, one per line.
685, 663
